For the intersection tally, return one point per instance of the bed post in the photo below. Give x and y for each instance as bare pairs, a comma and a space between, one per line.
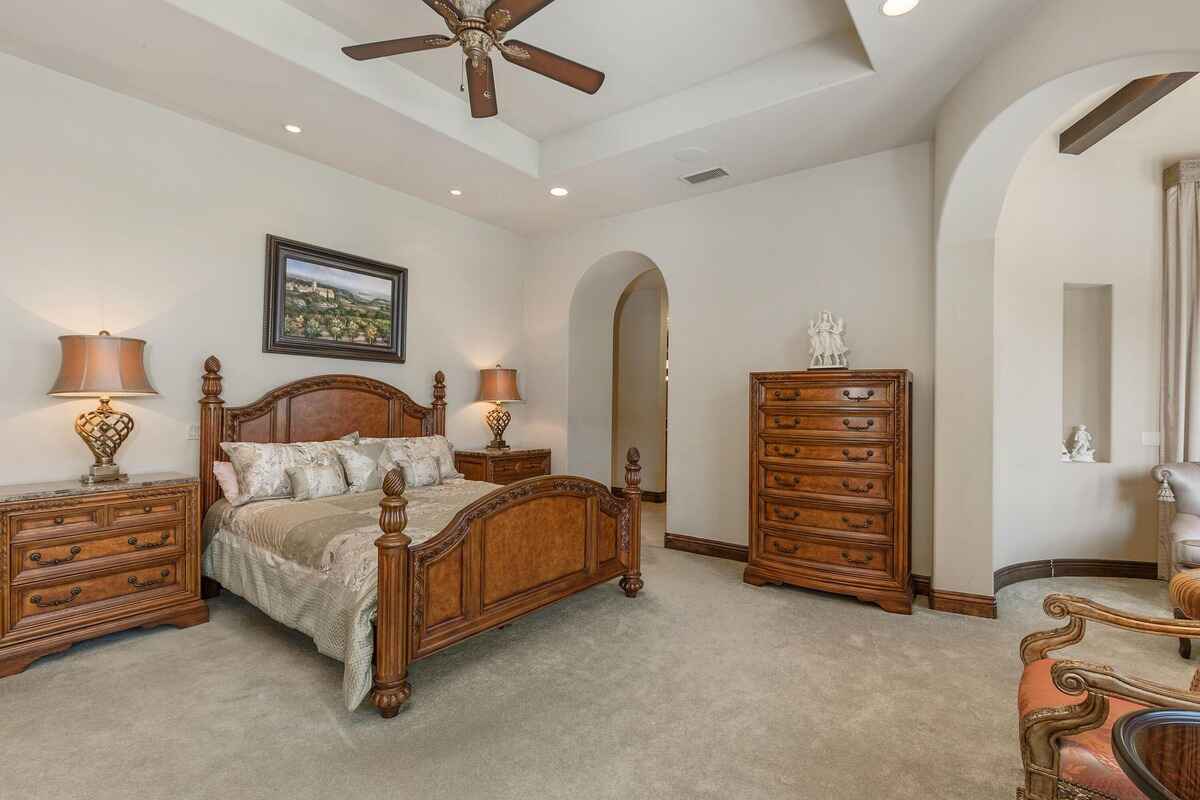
392, 634
439, 403
631, 582
212, 408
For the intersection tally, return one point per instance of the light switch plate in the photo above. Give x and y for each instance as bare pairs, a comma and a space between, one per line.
193, 433
1153, 439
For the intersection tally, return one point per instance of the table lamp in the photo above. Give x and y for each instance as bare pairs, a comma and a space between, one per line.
102, 366
498, 386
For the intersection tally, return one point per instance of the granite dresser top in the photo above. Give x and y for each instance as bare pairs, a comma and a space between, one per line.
21, 492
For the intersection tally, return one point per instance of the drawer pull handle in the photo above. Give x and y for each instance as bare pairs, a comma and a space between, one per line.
867, 559
788, 517
36, 558
787, 395
858, 489
870, 454
786, 549
858, 526
786, 480
779, 451
147, 509
779, 423
851, 427
62, 601
135, 583
858, 398
59, 520
133, 542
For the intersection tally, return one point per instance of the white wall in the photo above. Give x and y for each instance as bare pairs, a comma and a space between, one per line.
117, 214
640, 391
745, 270
1092, 219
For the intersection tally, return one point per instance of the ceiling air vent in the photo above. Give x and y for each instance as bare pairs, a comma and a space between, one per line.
704, 177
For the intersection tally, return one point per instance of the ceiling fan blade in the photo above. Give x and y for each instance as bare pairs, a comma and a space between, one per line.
394, 47
563, 70
481, 85
504, 15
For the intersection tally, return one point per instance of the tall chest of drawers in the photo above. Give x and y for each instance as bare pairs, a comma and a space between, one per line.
830, 488
77, 562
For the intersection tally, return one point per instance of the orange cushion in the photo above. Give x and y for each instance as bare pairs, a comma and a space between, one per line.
1185, 593
1086, 759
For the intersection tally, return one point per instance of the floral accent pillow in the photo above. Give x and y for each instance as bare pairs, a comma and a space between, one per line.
312, 481
262, 468
365, 466
421, 472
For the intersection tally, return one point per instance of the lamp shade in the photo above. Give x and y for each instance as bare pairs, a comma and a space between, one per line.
102, 366
498, 385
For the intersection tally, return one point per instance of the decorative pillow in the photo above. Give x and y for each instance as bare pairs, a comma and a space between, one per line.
227, 479
262, 468
316, 480
421, 472
352, 438
364, 465
416, 447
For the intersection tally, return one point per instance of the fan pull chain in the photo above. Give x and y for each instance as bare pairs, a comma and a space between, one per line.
462, 84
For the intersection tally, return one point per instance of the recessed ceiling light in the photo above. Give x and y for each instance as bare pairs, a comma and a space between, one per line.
559, 191
292, 127
896, 8
456, 192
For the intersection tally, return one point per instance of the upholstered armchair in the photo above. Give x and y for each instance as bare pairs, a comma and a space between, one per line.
1178, 516
1068, 708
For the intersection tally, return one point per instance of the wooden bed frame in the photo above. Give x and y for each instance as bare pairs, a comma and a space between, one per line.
511, 552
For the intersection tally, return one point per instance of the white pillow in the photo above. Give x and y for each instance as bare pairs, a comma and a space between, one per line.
313, 481
365, 465
227, 479
411, 448
421, 472
262, 468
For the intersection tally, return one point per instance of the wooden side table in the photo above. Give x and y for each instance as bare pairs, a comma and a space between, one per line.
1159, 749
502, 466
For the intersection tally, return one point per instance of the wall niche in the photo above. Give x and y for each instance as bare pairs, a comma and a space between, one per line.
1087, 364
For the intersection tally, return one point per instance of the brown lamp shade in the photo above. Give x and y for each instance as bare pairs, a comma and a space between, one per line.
102, 366
498, 385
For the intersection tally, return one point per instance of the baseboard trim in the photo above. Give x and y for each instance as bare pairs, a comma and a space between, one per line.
920, 585
647, 495
971, 605
706, 547
1073, 568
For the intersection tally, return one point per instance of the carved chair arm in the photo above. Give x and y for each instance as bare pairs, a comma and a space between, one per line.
1078, 677
1079, 609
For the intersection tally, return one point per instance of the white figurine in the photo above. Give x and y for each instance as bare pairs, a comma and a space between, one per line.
1082, 449
827, 343
1063, 453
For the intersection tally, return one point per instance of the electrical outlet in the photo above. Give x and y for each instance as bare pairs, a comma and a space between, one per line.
1153, 439
193, 433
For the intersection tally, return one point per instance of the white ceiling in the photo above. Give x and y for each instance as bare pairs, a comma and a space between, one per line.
763, 87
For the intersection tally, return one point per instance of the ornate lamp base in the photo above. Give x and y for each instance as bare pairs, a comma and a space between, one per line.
497, 420
103, 431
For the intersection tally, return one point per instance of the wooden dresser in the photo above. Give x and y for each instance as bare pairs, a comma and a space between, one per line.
830, 493
79, 561
502, 466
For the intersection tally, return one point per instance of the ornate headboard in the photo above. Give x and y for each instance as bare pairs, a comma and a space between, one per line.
315, 409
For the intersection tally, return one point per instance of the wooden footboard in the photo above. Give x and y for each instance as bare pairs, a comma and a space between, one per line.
517, 549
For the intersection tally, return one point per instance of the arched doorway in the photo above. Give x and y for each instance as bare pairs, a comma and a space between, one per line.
984, 131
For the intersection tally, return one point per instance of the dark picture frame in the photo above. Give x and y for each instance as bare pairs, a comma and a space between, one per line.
319, 302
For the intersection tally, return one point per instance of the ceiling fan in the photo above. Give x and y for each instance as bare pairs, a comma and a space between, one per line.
480, 26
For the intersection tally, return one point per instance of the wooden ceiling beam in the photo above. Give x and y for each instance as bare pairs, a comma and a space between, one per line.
1131, 100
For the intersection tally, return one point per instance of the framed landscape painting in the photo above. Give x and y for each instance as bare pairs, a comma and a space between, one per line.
323, 303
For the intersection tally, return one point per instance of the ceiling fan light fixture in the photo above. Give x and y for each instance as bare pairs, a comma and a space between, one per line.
897, 8
559, 191
456, 192
292, 127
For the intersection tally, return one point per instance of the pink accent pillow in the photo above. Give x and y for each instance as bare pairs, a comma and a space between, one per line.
226, 477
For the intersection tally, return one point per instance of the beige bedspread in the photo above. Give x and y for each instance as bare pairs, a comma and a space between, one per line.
312, 565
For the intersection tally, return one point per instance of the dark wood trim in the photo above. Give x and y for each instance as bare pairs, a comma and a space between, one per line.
921, 585
1073, 568
647, 495
1129, 101
706, 547
971, 605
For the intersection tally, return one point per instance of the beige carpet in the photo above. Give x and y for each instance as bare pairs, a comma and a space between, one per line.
703, 687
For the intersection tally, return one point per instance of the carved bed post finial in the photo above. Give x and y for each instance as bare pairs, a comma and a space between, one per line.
632, 582
439, 403
391, 689
212, 409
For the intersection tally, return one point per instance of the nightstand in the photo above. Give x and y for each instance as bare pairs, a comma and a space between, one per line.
80, 561
502, 466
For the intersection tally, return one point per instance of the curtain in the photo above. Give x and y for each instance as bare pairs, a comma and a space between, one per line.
1181, 326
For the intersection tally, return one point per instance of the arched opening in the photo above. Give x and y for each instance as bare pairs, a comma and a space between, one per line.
616, 393
986, 129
